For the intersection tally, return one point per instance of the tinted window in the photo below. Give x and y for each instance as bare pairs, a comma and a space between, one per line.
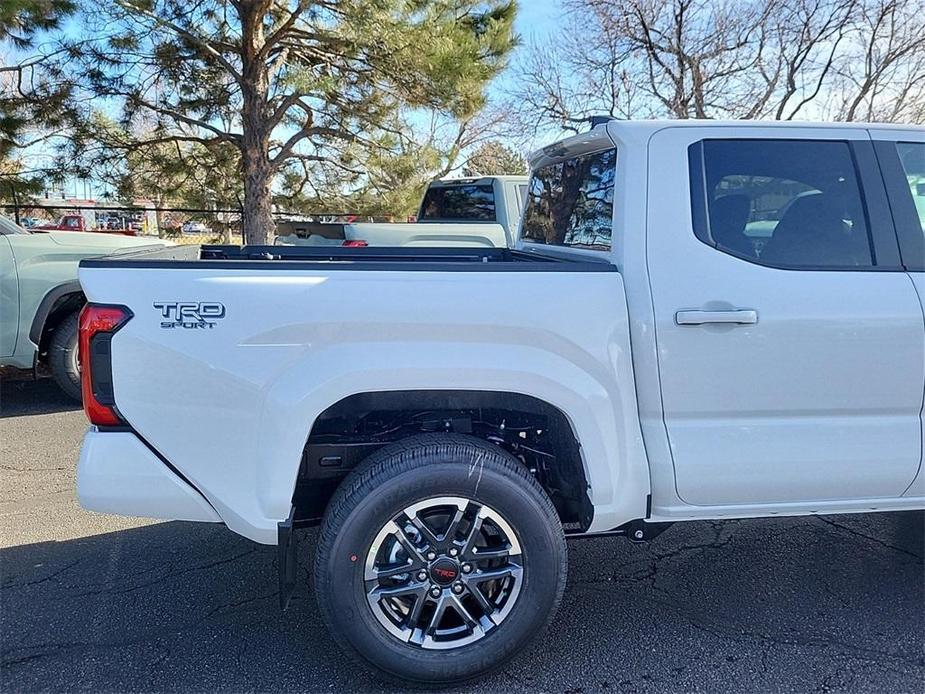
571, 203
784, 203
912, 157
460, 202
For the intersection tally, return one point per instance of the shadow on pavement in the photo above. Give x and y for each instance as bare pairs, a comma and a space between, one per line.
833, 604
21, 396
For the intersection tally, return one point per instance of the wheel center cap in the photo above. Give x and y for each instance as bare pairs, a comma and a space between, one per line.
444, 571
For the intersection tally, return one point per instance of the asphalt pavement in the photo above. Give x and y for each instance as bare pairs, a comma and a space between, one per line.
98, 603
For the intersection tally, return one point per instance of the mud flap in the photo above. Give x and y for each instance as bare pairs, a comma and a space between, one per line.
287, 559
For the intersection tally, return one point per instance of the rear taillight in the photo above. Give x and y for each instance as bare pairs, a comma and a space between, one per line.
355, 243
98, 323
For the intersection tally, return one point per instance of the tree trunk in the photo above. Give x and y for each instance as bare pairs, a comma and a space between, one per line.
258, 223
258, 178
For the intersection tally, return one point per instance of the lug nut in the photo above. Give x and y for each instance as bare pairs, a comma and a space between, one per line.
435, 592
431, 556
457, 588
453, 551
467, 568
422, 575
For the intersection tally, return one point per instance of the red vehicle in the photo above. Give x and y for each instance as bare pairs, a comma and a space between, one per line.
68, 222
75, 222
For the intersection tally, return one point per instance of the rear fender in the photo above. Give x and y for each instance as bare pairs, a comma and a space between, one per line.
602, 415
47, 306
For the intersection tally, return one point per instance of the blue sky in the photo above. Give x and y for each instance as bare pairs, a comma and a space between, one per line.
536, 15
535, 19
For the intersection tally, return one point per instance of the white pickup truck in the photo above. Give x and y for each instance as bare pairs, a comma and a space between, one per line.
700, 320
461, 212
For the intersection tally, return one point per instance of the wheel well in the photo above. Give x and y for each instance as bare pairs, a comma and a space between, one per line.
62, 307
535, 432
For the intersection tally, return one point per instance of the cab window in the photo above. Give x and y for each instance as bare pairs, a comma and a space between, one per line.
459, 203
570, 203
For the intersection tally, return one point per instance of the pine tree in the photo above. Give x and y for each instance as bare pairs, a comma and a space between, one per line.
289, 80
27, 97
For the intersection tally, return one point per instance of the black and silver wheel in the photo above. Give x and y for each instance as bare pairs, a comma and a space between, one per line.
439, 560
62, 356
444, 572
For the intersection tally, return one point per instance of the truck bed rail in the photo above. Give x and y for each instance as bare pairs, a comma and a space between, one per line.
328, 258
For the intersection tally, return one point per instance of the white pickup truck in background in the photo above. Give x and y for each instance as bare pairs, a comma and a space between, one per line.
700, 320
464, 212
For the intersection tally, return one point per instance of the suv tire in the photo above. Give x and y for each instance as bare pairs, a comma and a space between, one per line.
62, 356
431, 477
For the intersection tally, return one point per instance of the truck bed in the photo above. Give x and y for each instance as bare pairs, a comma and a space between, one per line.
278, 335
327, 258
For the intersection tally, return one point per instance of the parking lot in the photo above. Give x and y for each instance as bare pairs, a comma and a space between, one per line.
99, 603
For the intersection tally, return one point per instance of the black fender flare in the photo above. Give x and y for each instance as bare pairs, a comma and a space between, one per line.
47, 304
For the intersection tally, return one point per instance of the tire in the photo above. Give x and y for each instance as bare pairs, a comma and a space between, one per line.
62, 356
439, 474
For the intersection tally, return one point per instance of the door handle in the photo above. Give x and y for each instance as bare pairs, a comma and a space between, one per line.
736, 316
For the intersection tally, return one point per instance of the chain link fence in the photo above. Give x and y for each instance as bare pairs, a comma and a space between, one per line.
179, 224
185, 225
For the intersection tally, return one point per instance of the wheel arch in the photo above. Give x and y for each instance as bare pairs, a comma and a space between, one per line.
341, 436
58, 302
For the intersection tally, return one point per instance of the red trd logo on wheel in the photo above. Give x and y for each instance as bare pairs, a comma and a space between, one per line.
444, 572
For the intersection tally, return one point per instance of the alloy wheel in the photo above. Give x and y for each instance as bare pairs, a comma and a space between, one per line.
443, 573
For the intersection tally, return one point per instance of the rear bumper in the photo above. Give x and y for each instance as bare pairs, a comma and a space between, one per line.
118, 474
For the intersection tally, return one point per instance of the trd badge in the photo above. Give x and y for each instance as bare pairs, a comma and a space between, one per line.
191, 315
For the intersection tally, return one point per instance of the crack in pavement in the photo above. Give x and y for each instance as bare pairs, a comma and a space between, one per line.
12, 468
876, 540
741, 633
11, 658
164, 577
49, 577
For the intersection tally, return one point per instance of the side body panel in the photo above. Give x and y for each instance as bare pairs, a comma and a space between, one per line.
906, 191
233, 405
47, 261
631, 197
9, 299
816, 403
917, 487
41, 266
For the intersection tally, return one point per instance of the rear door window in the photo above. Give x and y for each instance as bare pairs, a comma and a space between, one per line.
570, 203
783, 203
